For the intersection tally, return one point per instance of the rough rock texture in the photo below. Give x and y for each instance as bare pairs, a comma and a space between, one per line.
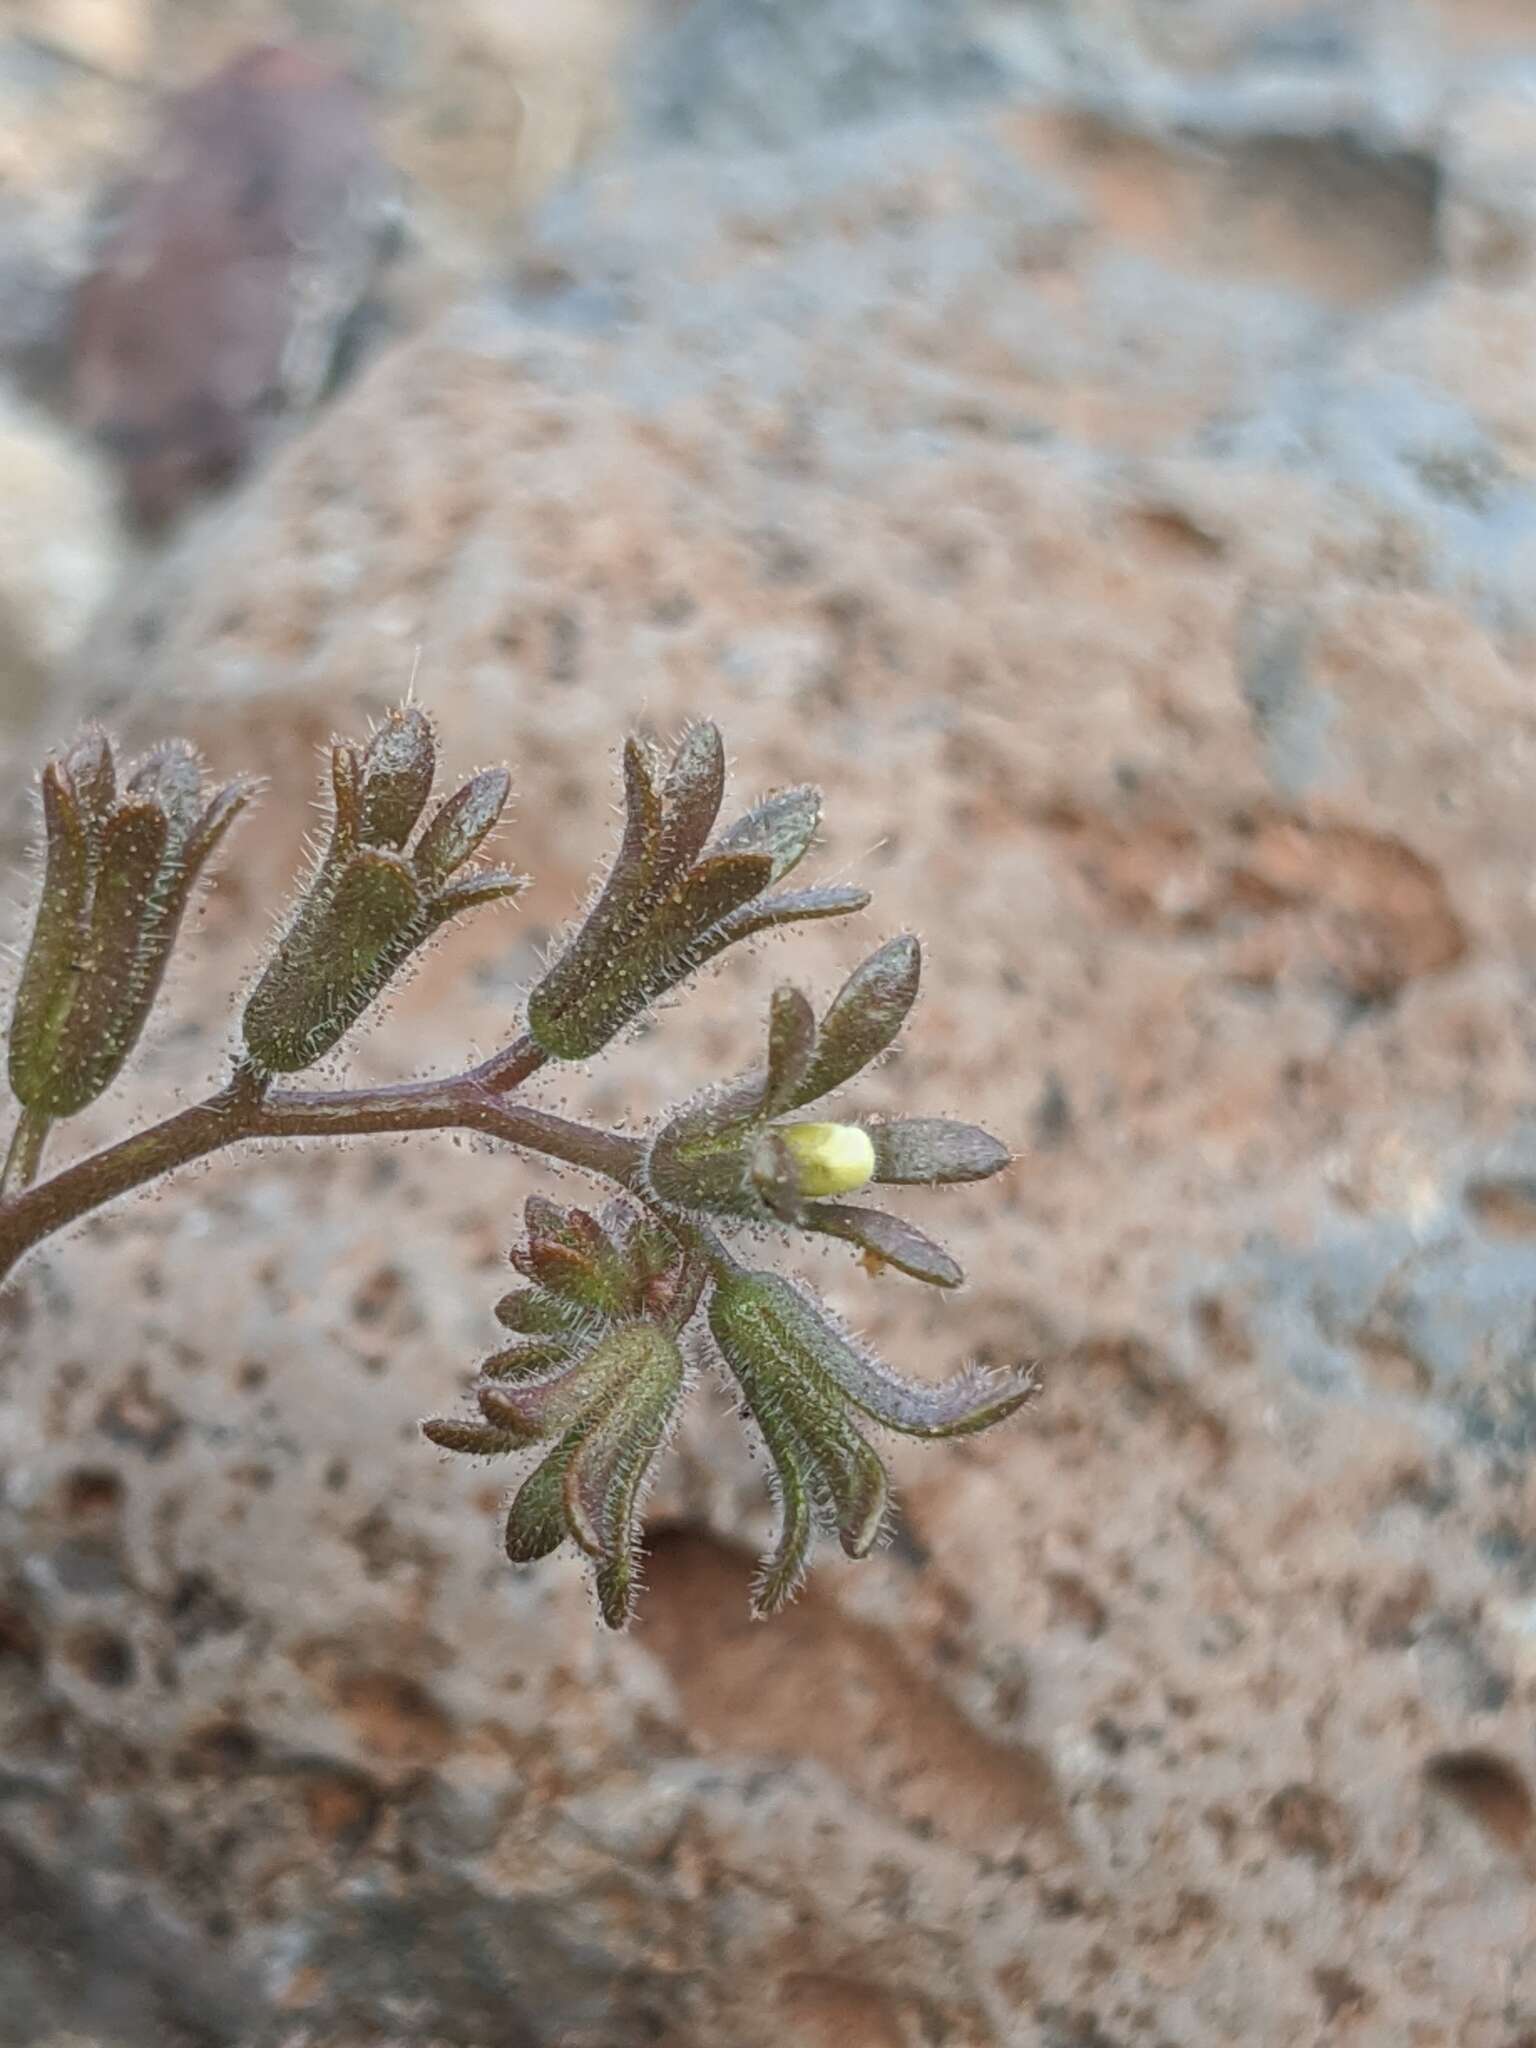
1140, 551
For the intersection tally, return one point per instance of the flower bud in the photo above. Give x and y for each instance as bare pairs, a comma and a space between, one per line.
595, 1371
733, 1154
372, 903
607, 1268
119, 872
399, 766
829, 1159
785, 1336
802, 1377
607, 1413
671, 901
827, 1475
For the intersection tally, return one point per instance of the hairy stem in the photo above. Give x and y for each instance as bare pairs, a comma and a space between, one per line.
242, 1113
509, 1068
24, 1155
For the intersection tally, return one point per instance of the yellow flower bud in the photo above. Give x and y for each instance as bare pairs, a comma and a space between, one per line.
831, 1159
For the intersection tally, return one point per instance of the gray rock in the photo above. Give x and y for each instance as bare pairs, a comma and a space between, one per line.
757, 74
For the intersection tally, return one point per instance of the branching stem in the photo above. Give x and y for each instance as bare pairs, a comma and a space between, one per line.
249, 1110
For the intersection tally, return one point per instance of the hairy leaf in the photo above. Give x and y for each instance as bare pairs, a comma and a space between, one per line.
786, 1331
475, 1439
336, 958
890, 1238
864, 1017
935, 1150
691, 797
171, 778
536, 1518
798, 907
399, 764
783, 826
45, 997
791, 1046
90, 769
461, 823
526, 1358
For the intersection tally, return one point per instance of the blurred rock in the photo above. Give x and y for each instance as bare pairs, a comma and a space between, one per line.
36, 289
481, 102
480, 105
1489, 212
487, 104
241, 261
107, 36
63, 125
764, 73
60, 554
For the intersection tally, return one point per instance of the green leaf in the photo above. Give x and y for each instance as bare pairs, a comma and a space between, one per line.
783, 826
536, 1518
571, 1254
562, 1010
534, 1313
122, 958
92, 773
692, 908
475, 1439
690, 799
783, 1330
791, 1047
668, 907
641, 844
399, 765
118, 874
770, 912
461, 823
617, 1581
697, 1161
349, 937
864, 1017
473, 891
50, 975
781, 1571
531, 1411
891, 1238
580, 1003
604, 1478
223, 808
526, 1358
933, 1151
347, 797
824, 1471
863, 1499
849, 1481
536, 1409
171, 777
619, 964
